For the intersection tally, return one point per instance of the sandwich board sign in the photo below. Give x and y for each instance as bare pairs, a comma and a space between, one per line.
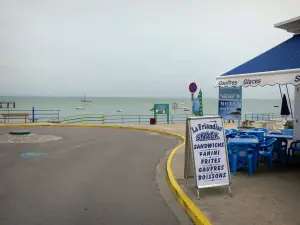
206, 157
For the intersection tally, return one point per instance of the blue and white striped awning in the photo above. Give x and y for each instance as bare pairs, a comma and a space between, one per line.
279, 65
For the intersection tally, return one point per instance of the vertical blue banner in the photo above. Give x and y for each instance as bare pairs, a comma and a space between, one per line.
198, 105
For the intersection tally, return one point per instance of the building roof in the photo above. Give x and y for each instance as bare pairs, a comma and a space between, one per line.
279, 65
285, 56
292, 25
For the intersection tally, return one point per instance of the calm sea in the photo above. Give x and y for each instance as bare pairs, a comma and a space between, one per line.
131, 106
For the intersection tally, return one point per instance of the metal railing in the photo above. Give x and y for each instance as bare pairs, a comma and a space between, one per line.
14, 115
263, 116
85, 118
123, 119
53, 116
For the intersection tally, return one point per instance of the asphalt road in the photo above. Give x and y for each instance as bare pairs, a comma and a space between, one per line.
91, 176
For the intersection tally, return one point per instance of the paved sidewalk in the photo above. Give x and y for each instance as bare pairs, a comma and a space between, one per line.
268, 197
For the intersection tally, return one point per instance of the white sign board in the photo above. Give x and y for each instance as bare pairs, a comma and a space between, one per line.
208, 148
174, 106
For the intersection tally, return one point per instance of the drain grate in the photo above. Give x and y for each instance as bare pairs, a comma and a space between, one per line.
33, 154
19, 132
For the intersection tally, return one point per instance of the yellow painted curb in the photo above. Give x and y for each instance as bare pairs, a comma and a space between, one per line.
189, 206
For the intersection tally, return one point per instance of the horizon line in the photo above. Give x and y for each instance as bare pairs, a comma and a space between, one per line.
162, 97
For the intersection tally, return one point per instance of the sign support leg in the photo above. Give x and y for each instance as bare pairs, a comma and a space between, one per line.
198, 194
187, 153
187, 168
229, 189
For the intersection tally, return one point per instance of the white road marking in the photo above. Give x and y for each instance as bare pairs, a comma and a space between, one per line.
152, 133
89, 143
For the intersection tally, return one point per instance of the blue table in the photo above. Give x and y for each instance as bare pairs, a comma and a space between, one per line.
288, 137
244, 140
259, 134
245, 129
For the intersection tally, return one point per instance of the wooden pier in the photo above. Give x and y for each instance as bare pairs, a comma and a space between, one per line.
8, 104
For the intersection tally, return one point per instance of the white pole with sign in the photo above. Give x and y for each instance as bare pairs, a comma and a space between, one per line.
206, 150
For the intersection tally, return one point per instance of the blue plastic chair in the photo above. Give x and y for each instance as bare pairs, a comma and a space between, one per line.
295, 146
227, 131
255, 154
230, 135
284, 152
262, 129
266, 150
229, 152
281, 148
241, 157
249, 136
243, 133
276, 133
234, 130
244, 136
289, 132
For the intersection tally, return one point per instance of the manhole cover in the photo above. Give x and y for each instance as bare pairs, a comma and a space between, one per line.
33, 154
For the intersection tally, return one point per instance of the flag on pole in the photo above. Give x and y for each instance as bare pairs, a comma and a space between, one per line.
198, 105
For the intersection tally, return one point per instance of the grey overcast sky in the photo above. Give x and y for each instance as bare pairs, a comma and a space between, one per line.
133, 47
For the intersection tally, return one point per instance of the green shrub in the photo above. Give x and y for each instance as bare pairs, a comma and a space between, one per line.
289, 124
247, 124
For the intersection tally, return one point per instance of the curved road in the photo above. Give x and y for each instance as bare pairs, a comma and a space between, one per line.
91, 176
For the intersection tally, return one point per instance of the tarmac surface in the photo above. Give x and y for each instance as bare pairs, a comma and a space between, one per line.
90, 176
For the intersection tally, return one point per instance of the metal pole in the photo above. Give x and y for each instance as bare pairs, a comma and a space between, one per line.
198, 194
229, 189
33, 114
280, 90
287, 90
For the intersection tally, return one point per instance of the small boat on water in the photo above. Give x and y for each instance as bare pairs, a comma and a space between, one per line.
184, 108
120, 110
85, 100
80, 108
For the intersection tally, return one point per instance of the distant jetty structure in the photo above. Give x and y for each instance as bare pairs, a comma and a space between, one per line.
8, 104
